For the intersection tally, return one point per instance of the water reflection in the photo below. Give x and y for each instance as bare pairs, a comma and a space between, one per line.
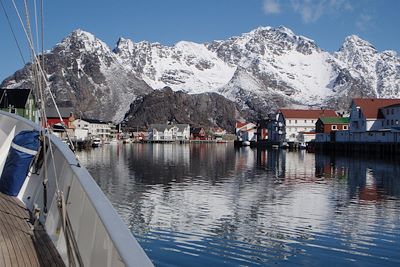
212, 204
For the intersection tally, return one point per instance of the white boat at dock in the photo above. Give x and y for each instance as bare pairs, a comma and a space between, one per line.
96, 142
245, 143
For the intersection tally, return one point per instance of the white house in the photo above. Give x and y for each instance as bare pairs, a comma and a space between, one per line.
95, 128
372, 114
302, 121
169, 132
246, 131
391, 116
372, 120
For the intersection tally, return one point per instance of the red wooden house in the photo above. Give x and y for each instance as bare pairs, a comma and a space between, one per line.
329, 124
198, 133
67, 116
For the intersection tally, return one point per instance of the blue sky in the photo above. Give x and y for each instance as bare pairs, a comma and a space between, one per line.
327, 22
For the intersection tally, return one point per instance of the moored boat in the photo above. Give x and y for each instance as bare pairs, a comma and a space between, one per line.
96, 142
245, 143
285, 145
302, 145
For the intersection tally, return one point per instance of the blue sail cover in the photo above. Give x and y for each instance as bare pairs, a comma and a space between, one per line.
24, 147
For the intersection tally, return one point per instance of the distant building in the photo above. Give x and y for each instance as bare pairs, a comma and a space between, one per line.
96, 128
328, 124
301, 120
168, 132
246, 131
271, 129
368, 114
392, 116
198, 133
218, 133
372, 120
67, 117
139, 136
306, 137
20, 102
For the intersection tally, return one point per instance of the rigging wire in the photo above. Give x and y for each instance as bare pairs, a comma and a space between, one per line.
42, 83
12, 31
42, 30
40, 71
36, 26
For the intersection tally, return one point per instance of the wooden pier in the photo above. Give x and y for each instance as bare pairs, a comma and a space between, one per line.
19, 244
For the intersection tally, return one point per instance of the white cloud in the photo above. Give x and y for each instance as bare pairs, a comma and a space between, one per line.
364, 21
311, 10
272, 7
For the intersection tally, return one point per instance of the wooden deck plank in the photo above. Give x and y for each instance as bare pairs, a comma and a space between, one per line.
13, 230
6, 235
19, 244
24, 235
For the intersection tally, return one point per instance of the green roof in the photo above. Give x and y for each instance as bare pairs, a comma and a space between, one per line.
335, 120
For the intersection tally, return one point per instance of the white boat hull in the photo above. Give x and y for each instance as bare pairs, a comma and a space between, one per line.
101, 236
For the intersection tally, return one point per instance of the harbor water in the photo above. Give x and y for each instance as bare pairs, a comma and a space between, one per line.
216, 205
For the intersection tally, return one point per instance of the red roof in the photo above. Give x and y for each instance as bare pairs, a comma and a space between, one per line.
370, 106
242, 124
308, 113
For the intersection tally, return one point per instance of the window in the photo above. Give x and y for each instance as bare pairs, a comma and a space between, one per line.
345, 127
397, 122
391, 122
392, 111
290, 121
387, 122
387, 112
334, 127
312, 121
305, 121
295, 121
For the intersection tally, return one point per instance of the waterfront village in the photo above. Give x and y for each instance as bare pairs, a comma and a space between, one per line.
370, 124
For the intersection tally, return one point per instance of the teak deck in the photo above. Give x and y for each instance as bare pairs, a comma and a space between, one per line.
19, 244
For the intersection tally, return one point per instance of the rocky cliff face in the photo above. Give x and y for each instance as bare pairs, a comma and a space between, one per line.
199, 110
261, 71
84, 73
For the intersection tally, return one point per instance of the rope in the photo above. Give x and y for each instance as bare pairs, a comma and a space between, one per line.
12, 31
1, 99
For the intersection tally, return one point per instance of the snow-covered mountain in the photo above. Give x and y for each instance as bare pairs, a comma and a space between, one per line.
186, 66
84, 73
261, 70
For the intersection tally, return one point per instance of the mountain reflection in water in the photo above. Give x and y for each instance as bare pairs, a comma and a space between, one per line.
212, 204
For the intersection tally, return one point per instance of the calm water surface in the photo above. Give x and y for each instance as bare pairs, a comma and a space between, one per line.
214, 205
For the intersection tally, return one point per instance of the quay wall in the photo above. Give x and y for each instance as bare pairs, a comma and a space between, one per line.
375, 149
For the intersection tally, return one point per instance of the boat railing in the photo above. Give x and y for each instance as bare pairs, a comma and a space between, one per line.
102, 238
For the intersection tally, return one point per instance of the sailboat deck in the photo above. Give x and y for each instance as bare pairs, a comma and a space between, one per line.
19, 244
